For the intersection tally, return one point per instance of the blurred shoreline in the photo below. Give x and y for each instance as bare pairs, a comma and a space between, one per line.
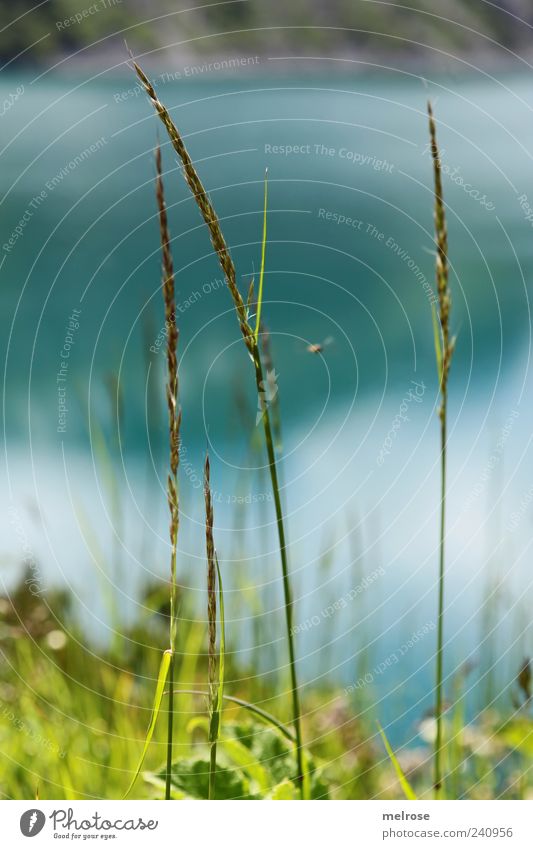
313, 35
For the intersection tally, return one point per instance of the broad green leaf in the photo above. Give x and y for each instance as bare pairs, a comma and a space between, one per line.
518, 734
263, 254
243, 758
406, 787
161, 681
191, 776
285, 790
277, 755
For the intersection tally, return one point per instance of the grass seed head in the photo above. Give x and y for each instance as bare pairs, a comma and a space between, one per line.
204, 205
442, 268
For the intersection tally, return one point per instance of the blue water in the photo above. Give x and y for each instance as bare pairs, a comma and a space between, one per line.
349, 263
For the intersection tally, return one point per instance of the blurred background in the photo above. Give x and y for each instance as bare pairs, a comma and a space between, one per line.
331, 98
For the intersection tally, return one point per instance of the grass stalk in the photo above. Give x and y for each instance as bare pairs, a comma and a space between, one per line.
284, 564
174, 421
215, 682
251, 341
444, 350
212, 629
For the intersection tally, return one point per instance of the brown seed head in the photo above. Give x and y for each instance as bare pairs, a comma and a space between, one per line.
204, 205
441, 268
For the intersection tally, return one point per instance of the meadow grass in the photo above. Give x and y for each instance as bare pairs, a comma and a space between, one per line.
251, 340
72, 720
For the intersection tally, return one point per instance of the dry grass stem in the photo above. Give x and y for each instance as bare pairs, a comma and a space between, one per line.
444, 351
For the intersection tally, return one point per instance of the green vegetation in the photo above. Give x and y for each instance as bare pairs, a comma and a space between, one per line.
73, 723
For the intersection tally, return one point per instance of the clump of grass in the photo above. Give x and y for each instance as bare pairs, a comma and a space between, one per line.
174, 423
444, 346
250, 337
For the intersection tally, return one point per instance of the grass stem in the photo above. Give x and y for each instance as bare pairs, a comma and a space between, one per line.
284, 567
212, 769
170, 728
440, 613
444, 347
174, 422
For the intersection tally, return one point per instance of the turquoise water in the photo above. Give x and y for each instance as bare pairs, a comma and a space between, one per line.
349, 263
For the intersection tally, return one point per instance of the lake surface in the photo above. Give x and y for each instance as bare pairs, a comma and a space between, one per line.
349, 264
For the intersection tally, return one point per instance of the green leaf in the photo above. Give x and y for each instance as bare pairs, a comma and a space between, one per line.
242, 757
161, 681
518, 734
406, 787
263, 253
191, 776
285, 790
278, 757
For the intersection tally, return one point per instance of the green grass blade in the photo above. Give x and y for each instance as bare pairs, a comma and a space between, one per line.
263, 254
306, 780
215, 719
406, 787
159, 690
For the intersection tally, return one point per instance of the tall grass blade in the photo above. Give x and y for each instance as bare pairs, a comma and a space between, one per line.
404, 783
159, 690
263, 255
